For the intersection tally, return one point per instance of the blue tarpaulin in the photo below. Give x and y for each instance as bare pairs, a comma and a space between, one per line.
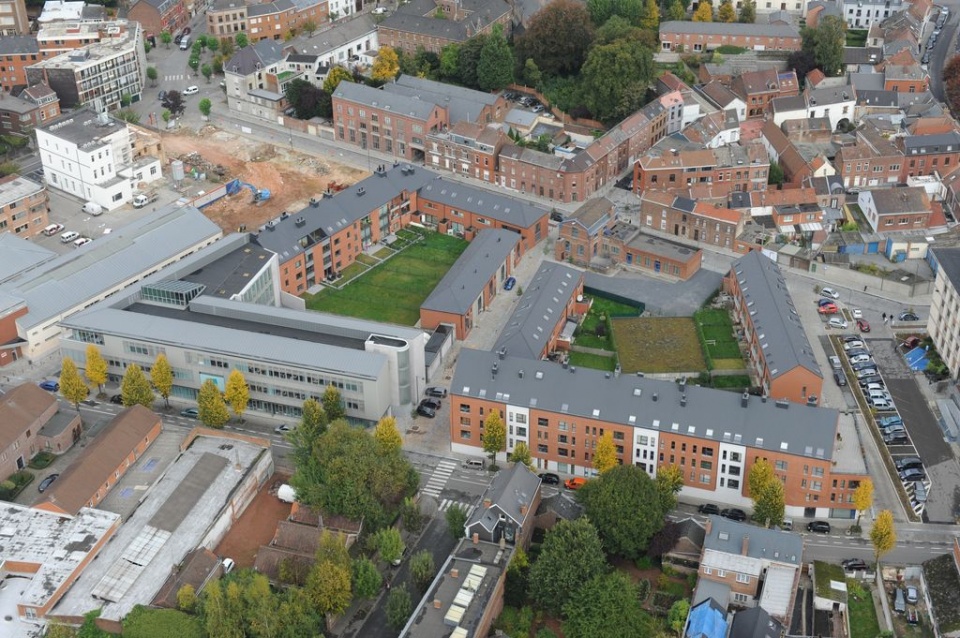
917, 358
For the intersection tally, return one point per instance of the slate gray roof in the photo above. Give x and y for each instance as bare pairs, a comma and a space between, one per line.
766, 544
948, 260
466, 279
369, 96
788, 104
894, 201
526, 332
830, 95
323, 42
592, 214
267, 8
931, 144
461, 103
19, 255
861, 55
507, 210
755, 622
774, 316
57, 286
417, 16
878, 99
245, 60
867, 81
511, 490
644, 402
83, 127
730, 29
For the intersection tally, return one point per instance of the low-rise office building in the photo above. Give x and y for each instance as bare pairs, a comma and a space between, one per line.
943, 324
24, 206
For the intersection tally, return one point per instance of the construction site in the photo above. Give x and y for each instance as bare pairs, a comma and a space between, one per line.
271, 178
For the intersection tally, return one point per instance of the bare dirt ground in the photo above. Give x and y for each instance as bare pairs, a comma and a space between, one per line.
256, 526
291, 177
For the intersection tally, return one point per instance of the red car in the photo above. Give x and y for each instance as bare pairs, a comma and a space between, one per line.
863, 325
575, 483
828, 309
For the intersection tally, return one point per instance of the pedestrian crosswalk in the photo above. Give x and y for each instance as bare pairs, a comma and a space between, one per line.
439, 478
173, 78
446, 504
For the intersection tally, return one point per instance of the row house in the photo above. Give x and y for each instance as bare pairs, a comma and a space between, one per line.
714, 437
706, 36
861, 14
713, 224
414, 25
731, 67
782, 151
874, 160
278, 20
256, 78
896, 209
24, 206
349, 42
724, 98
17, 52
929, 154
733, 168
905, 78
34, 106
468, 149
758, 88
160, 15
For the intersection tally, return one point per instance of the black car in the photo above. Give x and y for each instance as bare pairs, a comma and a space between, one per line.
874, 378
427, 411
117, 399
820, 527
433, 404
708, 508
855, 564
734, 514
908, 462
162, 95
436, 391
840, 378
47, 482
908, 316
856, 352
549, 479
850, 338
895, 438
863, 365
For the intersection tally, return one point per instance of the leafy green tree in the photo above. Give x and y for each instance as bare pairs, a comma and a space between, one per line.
309, 27
161, 375
333, 403
494, 435
128, 115
213, 44
135, 389
704, 12
669, 482
521, 454
610, 503
152, 75
677, 617
308, 100
187, 598
390, 544
366, 579
194, 62
615, 78
450, 62
165, 115
206, 71
205, 105
56, 629
830, 40
748, 12
456, 519
518, 579
386, 433
241, 40
212, 407
676, 11
883, 534
605, 456
571, 555
386, 66
336, 75
423, 569
237, 393
726, 12
96, 367
313, 418
468, 60
775, 175
603, 10
651, 15
766, 490
495, 67
89, 629
608, 605
202, 40
531, 74
8, 168
145, 622
410, 515
557, 39
329, 588
399, 607
166, 38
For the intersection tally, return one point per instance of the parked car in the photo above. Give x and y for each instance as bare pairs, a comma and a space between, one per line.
162, 95
840, 378
509, 283
283, 428
854, 564
866, 372
433, 404
912, 595
857, 351
191, 90
853, 345
190, 413
860, 358
69, 236
869, 379
908, 462
379, 11
427, 411
828, 309
895, 438
575, 483
882, 405
899, 601
52, 229
825, 302
849, 338
857, 313
908, 316
837, 323
734, 514
52, 386
818, 527
829, 292
875, 386
436, 391
47, 482
117, 399
83, 241
228, 564
835, 362
549, 479
863, 325
889, 421
863, 365
708, 508
892, 428
912, 474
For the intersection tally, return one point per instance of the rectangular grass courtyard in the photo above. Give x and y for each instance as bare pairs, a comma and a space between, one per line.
658, 344
393, 291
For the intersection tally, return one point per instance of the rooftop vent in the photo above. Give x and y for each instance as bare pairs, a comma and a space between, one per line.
284, 215
300, 221
783, 403
683, 399
520, 373
496, 368
502, 353
654, 396
361, 191
745, 399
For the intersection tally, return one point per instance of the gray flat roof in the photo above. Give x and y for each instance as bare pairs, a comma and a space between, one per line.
709, 414
323, 42
730, 28
466, 279
526, 332
663, 247
230, 274
774, 316
394, 102
20, 254
949, 262
57, 286
768, 544
83, 128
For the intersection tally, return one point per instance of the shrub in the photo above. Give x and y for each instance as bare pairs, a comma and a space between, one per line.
42, 460
643, 590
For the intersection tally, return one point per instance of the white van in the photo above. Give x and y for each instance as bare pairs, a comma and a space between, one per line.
185, 43
92, 208
69, 236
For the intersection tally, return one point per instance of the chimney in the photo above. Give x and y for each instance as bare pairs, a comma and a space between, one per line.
745, 545
683, 400
745, 399
683, 384
523, 510
654, 396
437, 603
487, 502
476, 538
454, 573
708, 526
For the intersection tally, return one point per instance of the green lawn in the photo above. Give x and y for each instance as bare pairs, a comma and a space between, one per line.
587, 335
595, 361
733, 381
856, 37
718, 336
863, 613
658, 344
393, 291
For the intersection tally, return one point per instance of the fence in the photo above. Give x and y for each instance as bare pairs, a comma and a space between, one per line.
612, 296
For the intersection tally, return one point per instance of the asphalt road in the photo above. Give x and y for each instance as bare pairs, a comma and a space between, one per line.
944, 49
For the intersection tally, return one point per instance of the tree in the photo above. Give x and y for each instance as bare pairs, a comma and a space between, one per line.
205, 105
128, 115
727, 13
802, 62
206, 71
571, 555
450, 62
336, 75
602, 10
748, 12
410, 515
669, 482
309, 27
608, 606
704, 12
152, 75
456, 519
366, 578
161, 375
187, 598
307, 99
57, 630
677, 616
96, 367
615, 78
651, 15
531, 74
518, 579
883, 534
166, 38
165, 115
386, 433
826, 43
174, 102
329, 588
237, 393
665, 540
422, 569
212, 407
469, 58
399, 607
766, 490
135, 389
605, 456
557, 39
494, 435
333, 403
194, 62
495, 67
72, 386
387, 65
8, 168
863, 498
676, 11
610, 502
521, 454
212, 44
775, 176
89, 627
241, 40
313, 418
390, 544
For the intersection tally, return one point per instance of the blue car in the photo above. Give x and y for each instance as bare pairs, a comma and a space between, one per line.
52, 386
889, 421
509, 283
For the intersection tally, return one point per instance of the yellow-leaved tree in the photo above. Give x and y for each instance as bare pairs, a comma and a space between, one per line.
72, 386
211, 406
96, 368
883, 535
387, 65
605, 456
863, 498
237, 393
521, 454
336, 75
704, 12
727, 13
494, 435
386, 433
135, 389
161, 375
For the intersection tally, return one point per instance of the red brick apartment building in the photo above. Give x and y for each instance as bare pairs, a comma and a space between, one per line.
874, 160
34, 106
581, 233
778, 349
17, 52
726, 169
715, 437
707, 36
160, 15
692, 220
467, 149
24, 206
927, 154
758, 88
414, 25
267, 20
896, 209
327, 235
24, 411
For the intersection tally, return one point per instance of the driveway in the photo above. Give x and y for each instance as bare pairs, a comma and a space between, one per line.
663, 298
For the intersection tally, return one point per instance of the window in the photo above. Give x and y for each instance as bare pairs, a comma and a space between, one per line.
465, 434
743, 578
708, 570
781, 466
465, 408
721, 573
